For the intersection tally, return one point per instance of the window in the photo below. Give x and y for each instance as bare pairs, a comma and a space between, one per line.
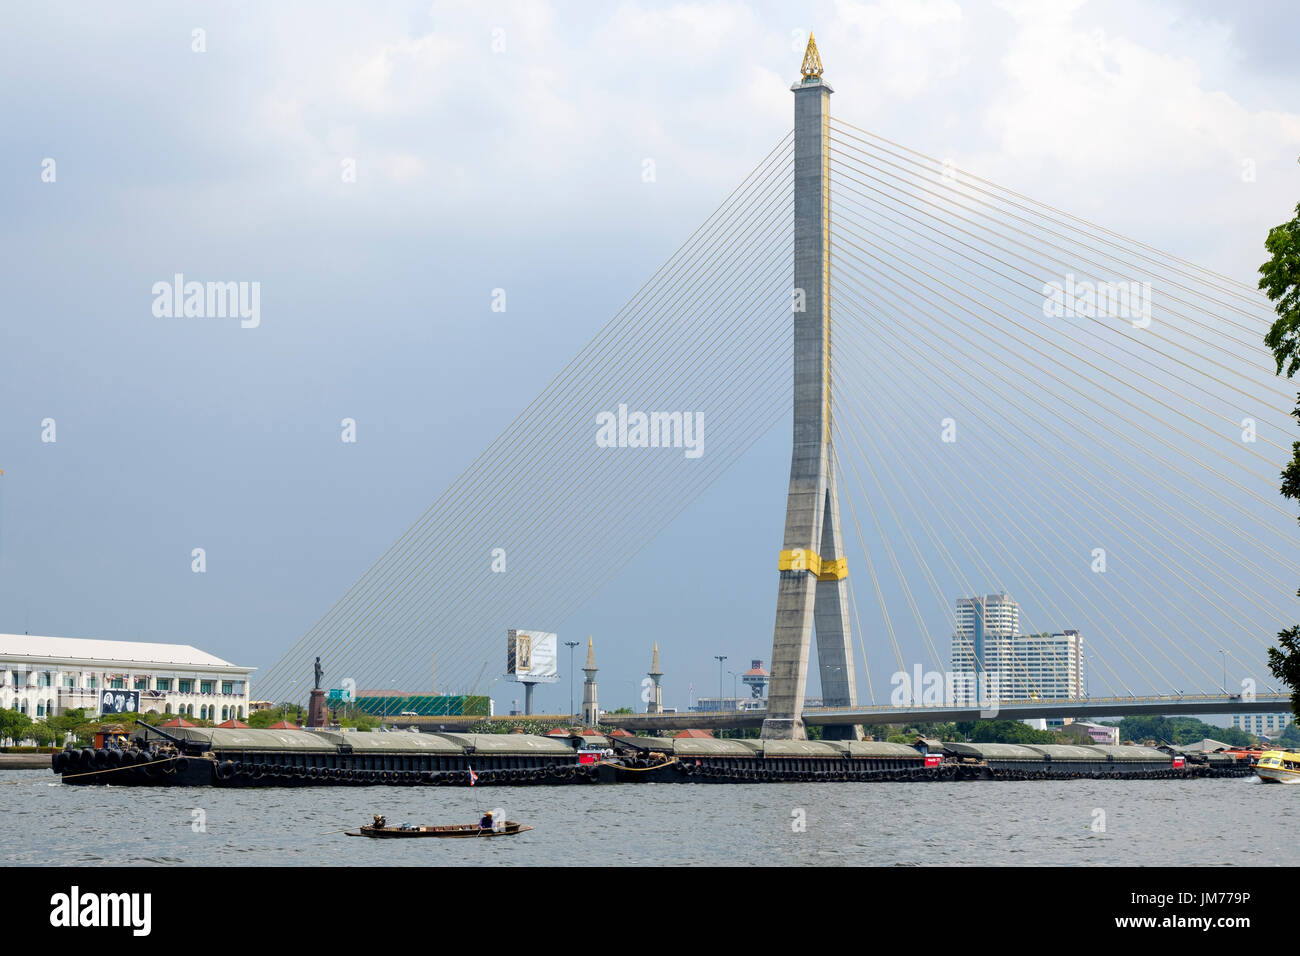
227, 687
117, 683
205, 687
142, 683
163, 683
167, 709
43, 679
40, 709
20, 679
69, 681
93, 683
185, 686
225, 713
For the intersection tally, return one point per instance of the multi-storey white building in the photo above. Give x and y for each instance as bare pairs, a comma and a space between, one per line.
981, 622
991, 660
1265, 725
41, 676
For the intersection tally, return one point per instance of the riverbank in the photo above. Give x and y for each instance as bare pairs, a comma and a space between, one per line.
33, 761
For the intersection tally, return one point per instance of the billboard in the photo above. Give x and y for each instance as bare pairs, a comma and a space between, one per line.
531, 656
119, 702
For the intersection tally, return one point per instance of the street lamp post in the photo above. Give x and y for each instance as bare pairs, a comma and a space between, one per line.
720, 658
571, 645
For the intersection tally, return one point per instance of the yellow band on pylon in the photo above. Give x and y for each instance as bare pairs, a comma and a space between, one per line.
834, 570
800, 559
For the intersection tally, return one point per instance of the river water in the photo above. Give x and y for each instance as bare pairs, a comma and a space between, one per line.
1030, 823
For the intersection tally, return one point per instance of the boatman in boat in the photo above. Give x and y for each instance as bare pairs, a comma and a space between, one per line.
486, 822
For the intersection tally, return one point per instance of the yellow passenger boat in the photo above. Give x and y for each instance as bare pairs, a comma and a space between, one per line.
1278, 766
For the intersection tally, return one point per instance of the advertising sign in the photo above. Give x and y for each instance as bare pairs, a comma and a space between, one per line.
119, 702
532, 656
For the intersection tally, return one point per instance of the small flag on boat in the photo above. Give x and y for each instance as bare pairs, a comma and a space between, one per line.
473, 777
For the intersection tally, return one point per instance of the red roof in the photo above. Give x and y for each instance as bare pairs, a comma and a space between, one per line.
557, 732
176, 722
284, 725
694, 733
620, 732
232, 723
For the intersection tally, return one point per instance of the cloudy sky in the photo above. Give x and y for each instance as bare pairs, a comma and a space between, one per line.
494, 146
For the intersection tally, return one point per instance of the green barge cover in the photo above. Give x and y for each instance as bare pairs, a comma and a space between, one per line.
426, 705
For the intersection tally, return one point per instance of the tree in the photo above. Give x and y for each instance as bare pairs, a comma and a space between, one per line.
14, 726
1003, 732
43, 734
1280, 280
1290, 736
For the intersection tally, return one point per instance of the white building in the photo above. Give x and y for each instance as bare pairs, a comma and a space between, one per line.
1262, 725
990, 659
40, 676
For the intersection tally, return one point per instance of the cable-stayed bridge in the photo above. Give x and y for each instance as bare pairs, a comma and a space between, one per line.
989, 395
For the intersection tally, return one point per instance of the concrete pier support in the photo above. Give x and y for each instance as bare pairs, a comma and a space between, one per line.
813, 586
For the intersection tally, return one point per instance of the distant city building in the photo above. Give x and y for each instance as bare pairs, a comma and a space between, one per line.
1038, 666
1087, 732
983, 619
45, 676
1262, 725
990, 658
756, 679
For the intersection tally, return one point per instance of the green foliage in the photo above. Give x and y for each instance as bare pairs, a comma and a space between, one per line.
1004, 732
741, 733
14, 726
1280, 280
1285, 663
1180, 731
1290, 736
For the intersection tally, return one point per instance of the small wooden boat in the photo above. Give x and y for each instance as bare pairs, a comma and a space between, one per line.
464, 831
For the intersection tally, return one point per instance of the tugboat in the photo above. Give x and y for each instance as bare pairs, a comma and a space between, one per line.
1278, 766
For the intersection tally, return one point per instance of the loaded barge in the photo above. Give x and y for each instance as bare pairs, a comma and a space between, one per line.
194, 757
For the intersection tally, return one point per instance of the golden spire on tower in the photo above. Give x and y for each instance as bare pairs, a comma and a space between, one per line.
812, 61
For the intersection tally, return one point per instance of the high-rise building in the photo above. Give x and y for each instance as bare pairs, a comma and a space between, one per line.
1038, 666
981, 620
991, 659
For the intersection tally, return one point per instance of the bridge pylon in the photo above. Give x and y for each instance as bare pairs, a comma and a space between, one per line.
813, 585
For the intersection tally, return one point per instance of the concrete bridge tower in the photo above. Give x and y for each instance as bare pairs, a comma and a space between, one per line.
813, 586
590, 707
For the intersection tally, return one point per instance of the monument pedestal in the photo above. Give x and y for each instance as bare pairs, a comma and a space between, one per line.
316, 711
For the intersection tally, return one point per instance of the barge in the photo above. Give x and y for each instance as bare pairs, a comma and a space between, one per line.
221, 757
